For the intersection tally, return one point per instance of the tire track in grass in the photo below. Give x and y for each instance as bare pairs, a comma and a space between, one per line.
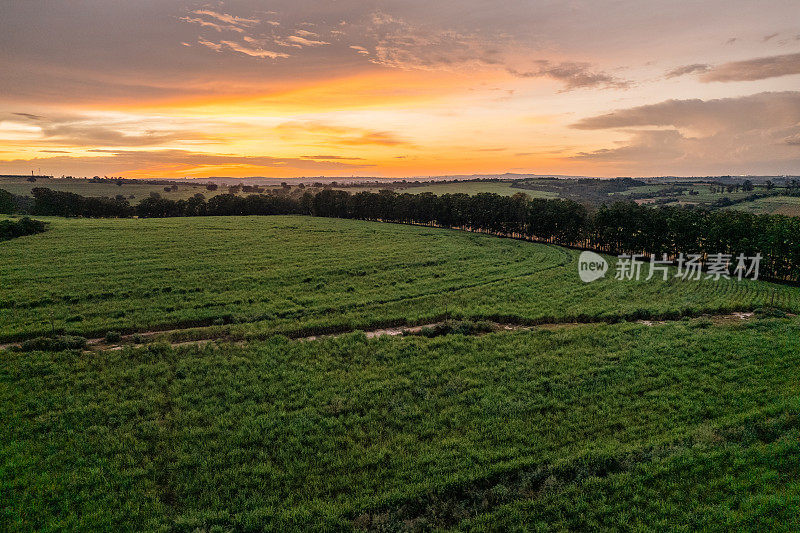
164, 449
566, 258
447, 506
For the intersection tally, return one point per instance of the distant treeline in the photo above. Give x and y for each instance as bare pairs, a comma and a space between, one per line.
11, 229
621, 228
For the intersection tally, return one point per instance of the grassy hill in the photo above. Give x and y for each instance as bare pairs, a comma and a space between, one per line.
303, 275
624, 425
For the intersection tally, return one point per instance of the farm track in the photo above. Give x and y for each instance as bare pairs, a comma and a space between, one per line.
100, 344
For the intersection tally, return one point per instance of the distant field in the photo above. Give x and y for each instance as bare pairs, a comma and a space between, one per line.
773, 205
704, 195
293, 274
469, 187
464, 187
642, 189
22, 187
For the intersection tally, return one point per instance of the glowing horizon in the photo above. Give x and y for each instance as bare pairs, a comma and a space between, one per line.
400, 89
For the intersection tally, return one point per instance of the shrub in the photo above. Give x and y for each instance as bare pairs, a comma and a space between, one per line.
10, 229
701, 323
113, 336
53, 344
769, 312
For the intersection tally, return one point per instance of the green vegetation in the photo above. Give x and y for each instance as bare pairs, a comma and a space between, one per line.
588, 426
691, 423
54, 344
762, 196
11, 229
255, 276
475, 187
7, 203
773, 205
130, 189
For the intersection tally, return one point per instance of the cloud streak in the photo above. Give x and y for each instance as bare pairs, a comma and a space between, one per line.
154, 162
697, 68
754, 69
320, 133
574, 75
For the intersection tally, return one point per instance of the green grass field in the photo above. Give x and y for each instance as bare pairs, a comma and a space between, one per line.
773, 205
692, 423
475, 187
296, 275
592, 426
503, 188
139, 191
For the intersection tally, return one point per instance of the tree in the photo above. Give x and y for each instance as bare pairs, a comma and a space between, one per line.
747, 185
7, 202
212, 187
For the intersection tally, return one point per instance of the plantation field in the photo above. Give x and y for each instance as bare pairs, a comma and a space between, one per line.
139, 191
463, 187
683, 425
250, 277
475, 187
773, 205
690, 422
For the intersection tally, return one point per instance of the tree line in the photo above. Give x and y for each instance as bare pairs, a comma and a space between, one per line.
619, 228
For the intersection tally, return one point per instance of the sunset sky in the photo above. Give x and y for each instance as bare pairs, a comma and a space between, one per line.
163, 88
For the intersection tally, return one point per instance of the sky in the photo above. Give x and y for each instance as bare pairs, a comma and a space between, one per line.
402, 88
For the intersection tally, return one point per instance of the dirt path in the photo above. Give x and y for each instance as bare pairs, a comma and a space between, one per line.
100, 344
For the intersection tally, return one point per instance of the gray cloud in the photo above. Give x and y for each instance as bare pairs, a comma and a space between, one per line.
122, 161
88, 131
716, 136
758, 111
574, 75
98, 51
658, 145
332, 157
28, 116
687, 69
91, 135
327, 134
755, 69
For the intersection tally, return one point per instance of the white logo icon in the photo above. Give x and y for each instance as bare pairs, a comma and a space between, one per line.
591, 266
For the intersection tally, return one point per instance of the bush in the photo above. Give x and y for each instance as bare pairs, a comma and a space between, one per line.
113, 336
10, 229
701, 323
53, 344
769, 312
